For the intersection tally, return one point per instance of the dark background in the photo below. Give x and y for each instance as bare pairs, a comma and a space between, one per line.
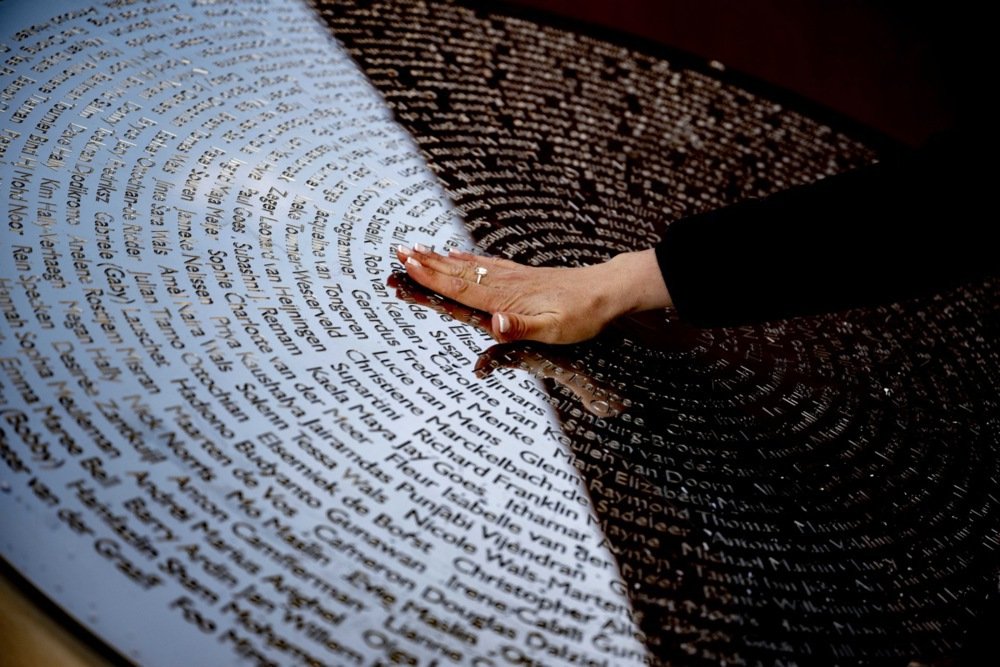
888, 65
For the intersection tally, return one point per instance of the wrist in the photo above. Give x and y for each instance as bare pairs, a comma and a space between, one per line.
638, 282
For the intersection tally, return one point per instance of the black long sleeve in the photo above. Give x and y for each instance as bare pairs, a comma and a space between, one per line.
906, 226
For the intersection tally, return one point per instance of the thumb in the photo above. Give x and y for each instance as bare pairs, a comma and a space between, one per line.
509, 327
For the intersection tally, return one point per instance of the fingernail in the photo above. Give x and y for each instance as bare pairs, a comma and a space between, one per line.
403, 250
504, 322
412, 261
420, 247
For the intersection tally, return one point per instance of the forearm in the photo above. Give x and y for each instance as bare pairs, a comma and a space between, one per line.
876, 235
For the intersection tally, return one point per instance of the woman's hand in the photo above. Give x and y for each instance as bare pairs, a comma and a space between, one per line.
552, 305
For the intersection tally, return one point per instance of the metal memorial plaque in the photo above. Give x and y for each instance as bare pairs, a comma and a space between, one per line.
232, 432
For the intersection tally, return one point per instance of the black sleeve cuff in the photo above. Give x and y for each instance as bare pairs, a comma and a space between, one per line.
877, 234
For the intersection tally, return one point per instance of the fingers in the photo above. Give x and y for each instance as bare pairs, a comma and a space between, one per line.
446, 264
456, 275
488, 262
456, 262
451, 286
527, 303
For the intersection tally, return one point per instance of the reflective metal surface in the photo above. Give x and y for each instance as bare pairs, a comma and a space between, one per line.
231, 434
813, 491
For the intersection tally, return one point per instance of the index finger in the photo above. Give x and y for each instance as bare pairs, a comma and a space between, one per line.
450, 264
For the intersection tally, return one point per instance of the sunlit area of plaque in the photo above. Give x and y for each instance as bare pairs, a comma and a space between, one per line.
219, 420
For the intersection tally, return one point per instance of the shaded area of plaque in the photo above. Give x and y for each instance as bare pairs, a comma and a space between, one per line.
814, 491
